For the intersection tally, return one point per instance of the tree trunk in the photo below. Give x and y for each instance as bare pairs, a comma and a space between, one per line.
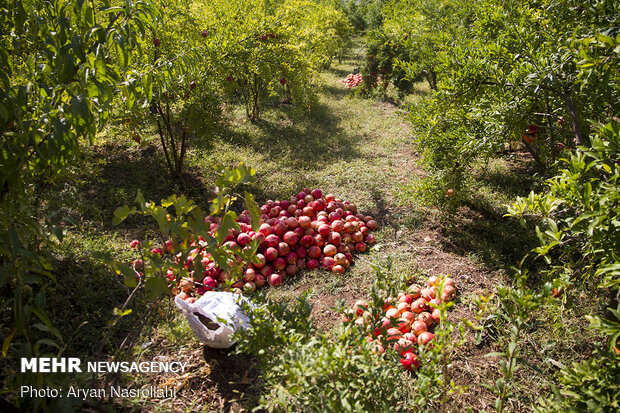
574, 118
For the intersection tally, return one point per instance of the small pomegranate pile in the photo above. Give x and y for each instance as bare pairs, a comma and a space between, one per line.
310, 230
352, 80
407, 321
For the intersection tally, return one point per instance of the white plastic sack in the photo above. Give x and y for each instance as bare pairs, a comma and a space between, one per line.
205, 314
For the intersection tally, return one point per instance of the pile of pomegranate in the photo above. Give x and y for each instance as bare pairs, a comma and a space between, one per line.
352, 80
310, 230
407, 320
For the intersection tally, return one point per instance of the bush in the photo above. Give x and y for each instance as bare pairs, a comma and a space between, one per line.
306, 370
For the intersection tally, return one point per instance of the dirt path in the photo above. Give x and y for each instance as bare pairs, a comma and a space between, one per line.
414, 238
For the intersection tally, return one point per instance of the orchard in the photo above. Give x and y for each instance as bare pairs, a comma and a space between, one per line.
151, 159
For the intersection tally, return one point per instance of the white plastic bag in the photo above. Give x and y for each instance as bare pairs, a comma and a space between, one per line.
205, 314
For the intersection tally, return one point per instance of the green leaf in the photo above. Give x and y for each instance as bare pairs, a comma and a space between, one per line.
496, 354
229, 221
156, 286
254, 210
7, 342
121, 213
49, 342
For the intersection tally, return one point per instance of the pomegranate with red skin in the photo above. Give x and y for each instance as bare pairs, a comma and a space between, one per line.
392, 313
319, 240
308, 211
261, 260
357, 236
312, 264
306, 241
280, 229
360, 247
348, 228
410, 361
324, 230
426, 317
360, 306
274, 279
314, 252
403, 325
406, 298
425, 337
271, 240
418, 305
243, 239
409, 316
301, 252
338, 226
427, 293
436, 315
419, 327
328, 263
316, 193
249, 287
372, 224
334, 238
340, 259
330, 250
250, 275
291, 222
283, 249
334, 216
271, 253
291, 258
279, 264
433, 280
291, 269
259, 237
260, 280
304, 222
209, 283
266, 271
290, 238
448, 293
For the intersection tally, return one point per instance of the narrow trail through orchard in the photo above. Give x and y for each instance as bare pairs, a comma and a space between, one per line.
360, 150
413, 237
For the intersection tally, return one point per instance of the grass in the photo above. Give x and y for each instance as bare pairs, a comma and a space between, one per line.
358, 149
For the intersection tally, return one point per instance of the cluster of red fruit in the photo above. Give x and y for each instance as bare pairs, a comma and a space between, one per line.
352, 80
406, 321
308, 231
